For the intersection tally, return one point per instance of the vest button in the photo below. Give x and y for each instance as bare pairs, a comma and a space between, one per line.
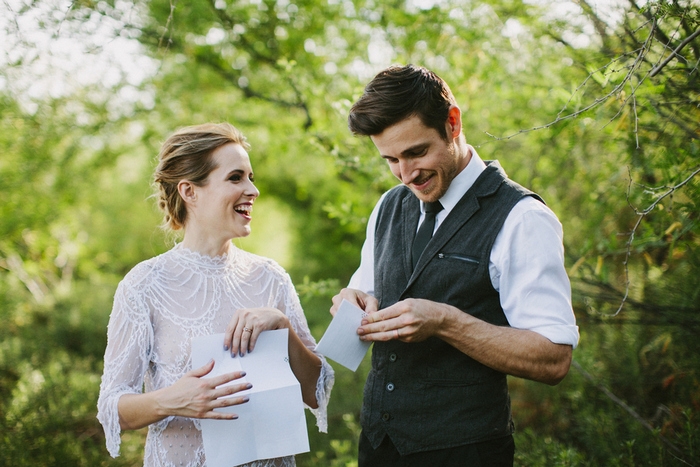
392, 357
386, 416
390, 387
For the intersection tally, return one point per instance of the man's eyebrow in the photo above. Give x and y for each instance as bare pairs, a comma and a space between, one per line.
412, 151
415, 149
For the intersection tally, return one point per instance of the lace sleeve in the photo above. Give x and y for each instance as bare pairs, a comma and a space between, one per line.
129, 340
289, 303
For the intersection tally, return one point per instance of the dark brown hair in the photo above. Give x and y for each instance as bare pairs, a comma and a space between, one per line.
187, 155
400, 92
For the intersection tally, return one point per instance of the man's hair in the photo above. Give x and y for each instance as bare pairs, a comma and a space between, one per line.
187, 155
398, 93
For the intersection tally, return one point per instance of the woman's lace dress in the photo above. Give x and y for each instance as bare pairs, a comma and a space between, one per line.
159, 307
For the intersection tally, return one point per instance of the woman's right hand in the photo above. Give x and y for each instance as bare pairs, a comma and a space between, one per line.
194, 396
191, 396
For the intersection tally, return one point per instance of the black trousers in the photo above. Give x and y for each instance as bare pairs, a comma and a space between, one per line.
494, 453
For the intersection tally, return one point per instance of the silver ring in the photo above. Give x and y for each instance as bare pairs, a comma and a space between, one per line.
247, 329
397, 333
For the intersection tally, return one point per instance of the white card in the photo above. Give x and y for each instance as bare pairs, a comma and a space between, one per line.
340, 342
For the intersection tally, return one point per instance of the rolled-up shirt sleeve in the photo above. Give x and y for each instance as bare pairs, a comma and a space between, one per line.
129, 338
527, 268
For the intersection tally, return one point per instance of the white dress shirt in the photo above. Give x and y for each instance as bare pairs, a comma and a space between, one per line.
526, 263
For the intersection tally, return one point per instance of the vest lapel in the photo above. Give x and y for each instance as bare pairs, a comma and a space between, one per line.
467, 206
411, 208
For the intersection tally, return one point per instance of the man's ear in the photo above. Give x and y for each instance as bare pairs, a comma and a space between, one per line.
187, 191
454, 121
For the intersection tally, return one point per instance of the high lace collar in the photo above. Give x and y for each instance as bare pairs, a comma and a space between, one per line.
206, 261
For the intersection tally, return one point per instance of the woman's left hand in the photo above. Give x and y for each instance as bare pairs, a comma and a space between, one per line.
246, 325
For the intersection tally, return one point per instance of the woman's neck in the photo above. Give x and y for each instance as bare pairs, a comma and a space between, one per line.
206, 244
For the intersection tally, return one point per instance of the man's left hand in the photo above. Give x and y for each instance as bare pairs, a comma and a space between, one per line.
410, 320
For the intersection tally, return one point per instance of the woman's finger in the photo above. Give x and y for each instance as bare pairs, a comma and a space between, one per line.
228, 334
236, 341
231, 401
253, 339
233, 389
226, 378
246, 334
202, 370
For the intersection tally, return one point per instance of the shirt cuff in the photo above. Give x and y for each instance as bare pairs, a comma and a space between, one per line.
559, 334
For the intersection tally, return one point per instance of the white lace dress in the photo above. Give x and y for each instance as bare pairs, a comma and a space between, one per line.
159, 307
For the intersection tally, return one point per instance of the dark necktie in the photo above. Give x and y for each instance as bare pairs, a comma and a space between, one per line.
425, 232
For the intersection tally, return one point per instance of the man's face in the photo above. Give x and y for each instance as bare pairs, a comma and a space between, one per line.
420, 158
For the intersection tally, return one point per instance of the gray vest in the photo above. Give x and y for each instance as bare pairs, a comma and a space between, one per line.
428, 395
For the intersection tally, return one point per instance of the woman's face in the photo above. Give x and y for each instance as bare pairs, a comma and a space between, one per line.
224, 205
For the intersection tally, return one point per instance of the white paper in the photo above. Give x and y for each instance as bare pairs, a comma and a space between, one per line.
340, 341
272, 423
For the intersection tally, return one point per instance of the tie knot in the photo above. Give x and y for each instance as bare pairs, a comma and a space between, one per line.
433, 207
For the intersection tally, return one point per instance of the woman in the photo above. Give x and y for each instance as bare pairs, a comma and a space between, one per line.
204, 285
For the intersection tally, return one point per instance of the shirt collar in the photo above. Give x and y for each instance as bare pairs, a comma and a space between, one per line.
461, 183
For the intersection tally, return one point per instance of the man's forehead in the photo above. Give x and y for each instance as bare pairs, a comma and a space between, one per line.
405, 137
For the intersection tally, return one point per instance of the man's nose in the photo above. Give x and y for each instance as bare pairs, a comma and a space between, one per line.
407, 171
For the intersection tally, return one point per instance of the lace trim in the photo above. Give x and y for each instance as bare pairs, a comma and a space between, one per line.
206, 261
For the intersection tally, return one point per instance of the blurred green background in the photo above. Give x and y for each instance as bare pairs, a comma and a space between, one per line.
594, 104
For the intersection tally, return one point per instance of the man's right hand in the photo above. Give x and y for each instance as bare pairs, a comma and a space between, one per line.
357, 297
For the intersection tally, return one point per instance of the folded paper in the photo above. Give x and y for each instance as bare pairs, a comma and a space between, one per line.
272, 423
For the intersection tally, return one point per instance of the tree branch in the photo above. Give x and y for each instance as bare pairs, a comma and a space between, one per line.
675, 51
641, 215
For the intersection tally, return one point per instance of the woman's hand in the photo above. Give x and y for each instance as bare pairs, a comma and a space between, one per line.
194, 396
191, 396
246, 325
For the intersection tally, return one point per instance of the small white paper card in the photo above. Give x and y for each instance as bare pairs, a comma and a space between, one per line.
272, 423
340, 341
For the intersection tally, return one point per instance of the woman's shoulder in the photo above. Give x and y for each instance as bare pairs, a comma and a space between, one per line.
144, 272
261, 264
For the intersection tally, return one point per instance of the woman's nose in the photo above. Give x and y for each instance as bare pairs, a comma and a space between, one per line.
252, 190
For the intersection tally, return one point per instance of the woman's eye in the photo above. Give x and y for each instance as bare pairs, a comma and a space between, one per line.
235, 178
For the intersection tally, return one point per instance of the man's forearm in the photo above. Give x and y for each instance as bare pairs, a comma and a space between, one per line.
516, 352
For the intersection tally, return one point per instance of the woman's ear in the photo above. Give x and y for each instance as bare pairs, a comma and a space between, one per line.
187, 191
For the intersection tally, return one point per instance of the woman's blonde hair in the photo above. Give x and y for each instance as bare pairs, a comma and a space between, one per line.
187, 155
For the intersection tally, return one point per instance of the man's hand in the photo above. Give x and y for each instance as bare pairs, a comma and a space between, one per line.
357, 297
410, 320
517, 352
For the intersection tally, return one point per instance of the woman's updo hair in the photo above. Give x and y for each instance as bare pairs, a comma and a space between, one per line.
187, 155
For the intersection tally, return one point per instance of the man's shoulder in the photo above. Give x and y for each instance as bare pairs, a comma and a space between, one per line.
531, 205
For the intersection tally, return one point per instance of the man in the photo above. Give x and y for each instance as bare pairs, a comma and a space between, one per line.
487, 297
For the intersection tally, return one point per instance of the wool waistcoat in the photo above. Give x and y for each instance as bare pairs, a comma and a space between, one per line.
428, 395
